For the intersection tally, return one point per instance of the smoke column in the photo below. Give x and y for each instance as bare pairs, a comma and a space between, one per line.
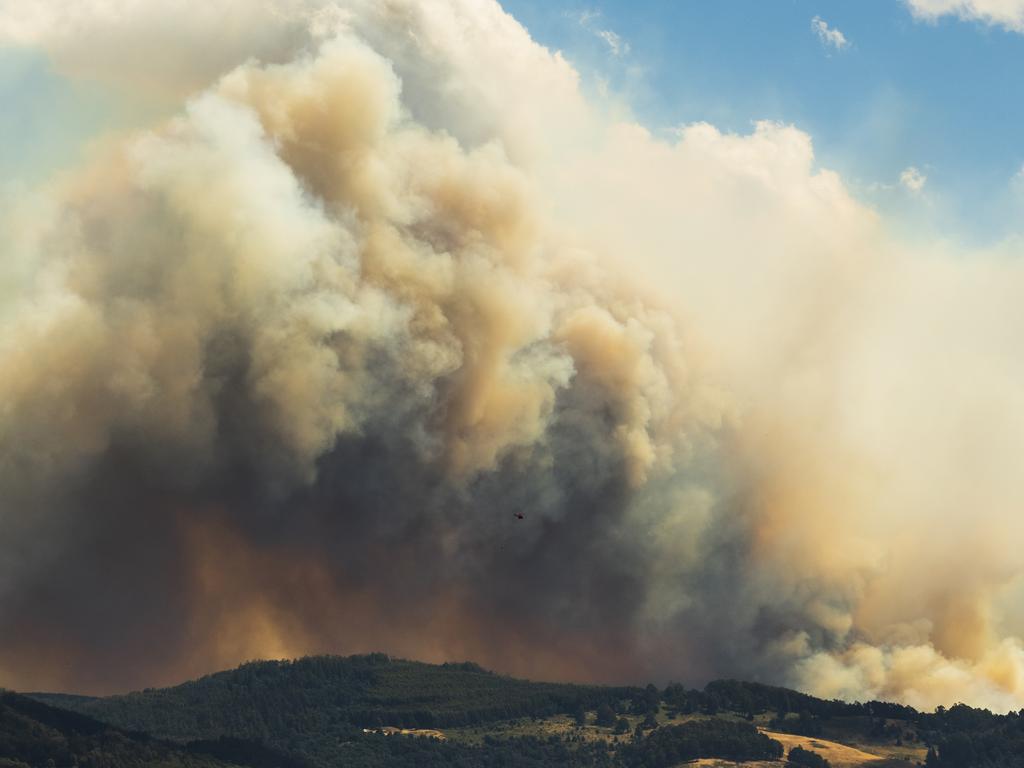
278, 369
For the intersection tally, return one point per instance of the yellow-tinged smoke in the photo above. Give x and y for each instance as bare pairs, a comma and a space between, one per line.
277, 372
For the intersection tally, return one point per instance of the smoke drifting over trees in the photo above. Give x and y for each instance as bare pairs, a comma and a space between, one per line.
277, 370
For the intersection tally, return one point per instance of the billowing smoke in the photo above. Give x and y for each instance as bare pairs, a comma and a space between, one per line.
277, 373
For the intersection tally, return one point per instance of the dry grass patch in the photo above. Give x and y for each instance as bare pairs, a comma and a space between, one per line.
839, 755
391, 731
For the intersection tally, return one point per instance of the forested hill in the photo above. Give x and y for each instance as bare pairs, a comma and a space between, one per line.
317, 707
323, 692
326, 711
36, 735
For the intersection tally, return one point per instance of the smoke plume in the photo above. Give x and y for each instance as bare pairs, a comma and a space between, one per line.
277, 372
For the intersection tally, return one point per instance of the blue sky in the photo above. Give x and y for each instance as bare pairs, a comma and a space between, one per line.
50, 119
945, 97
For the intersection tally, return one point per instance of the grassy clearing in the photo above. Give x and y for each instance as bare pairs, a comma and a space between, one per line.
839, 755
559, 725
563, 725
853, 751
851, 731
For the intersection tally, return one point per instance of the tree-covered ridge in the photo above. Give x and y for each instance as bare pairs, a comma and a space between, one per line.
267, 697
314, 711
740, 696
965, 737
317, 707
35, 735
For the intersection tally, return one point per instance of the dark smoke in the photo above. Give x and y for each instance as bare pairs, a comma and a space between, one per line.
277, 374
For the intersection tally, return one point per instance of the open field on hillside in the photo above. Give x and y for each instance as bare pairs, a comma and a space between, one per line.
852, 732
558, 725
563, 725
841, 755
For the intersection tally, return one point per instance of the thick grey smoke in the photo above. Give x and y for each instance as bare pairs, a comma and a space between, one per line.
294, 360
277, 374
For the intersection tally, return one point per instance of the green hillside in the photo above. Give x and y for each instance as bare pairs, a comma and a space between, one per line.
35, 735
374, 711
322, 693
329, 711
317, 707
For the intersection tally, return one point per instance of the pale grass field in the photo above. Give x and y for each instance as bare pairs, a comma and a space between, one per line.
390, 730
839, 755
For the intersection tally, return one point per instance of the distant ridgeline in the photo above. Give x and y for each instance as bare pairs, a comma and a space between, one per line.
36, 735
312, 713
263, 697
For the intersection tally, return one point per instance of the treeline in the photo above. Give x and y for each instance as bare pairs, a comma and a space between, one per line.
965, 737
755, 698
266, 697
695, 739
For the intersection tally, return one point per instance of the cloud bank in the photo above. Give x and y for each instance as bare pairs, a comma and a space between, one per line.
278, 372
1004, 13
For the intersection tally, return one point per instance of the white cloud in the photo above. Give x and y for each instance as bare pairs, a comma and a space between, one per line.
614, 41
830, 37
913, 179
1004, 13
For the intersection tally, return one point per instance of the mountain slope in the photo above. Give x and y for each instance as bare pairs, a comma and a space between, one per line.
328, 711
35, 734
317, 707
325, 692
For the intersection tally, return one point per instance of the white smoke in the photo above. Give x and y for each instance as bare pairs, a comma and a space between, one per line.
715, 379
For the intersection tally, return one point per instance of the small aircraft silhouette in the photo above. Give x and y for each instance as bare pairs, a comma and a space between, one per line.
519, 515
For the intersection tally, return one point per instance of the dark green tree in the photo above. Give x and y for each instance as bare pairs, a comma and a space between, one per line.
605, 716
651, 698
805, 757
